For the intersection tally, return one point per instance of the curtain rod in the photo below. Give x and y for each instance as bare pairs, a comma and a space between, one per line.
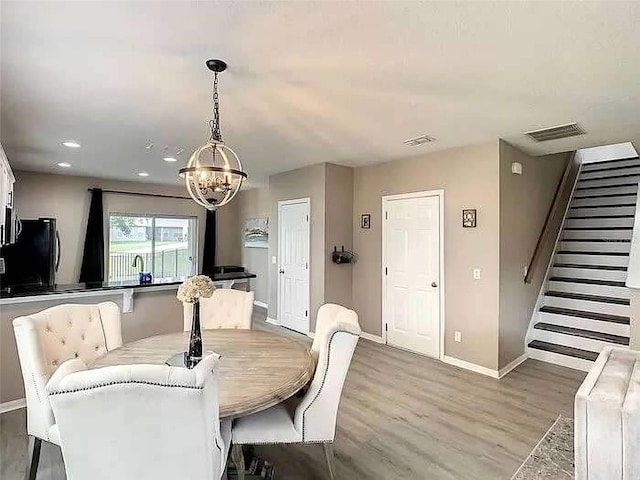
120, 192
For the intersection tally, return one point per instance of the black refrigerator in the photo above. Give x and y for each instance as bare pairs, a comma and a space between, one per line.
34, 257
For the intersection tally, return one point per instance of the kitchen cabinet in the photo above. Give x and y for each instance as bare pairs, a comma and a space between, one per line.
7, 215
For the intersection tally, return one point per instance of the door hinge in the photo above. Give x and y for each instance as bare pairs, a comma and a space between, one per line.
386, 271
306, 313
307, 218
386, 327
386, 215
306, 265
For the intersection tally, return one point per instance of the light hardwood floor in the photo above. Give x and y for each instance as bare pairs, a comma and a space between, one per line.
402, 416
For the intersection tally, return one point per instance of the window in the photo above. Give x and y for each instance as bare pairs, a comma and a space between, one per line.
167, 246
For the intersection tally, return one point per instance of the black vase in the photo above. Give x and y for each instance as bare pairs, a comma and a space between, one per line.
194, 355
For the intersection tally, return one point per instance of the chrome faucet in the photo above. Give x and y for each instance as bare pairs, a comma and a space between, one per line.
135, 263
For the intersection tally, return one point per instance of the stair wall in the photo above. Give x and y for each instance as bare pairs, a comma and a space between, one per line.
524, 203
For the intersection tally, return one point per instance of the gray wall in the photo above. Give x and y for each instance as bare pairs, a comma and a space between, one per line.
254, 203
66, 198
524, 203
154, 313
470, 179
301, 183
338, 232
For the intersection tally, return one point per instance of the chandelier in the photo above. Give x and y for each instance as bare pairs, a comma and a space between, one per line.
213, 175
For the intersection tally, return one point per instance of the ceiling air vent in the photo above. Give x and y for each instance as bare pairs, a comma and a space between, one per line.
419, 140
554, 133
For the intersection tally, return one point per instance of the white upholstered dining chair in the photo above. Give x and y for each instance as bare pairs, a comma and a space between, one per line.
226, 308
311, 419
140, 422
47, 339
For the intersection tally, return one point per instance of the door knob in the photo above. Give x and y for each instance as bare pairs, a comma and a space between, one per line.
282, 272
434, 284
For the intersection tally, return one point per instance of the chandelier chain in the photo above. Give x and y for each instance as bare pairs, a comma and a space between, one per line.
215, 181
214, 124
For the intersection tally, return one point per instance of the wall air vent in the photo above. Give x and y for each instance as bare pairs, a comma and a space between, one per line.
554, 133
419, 140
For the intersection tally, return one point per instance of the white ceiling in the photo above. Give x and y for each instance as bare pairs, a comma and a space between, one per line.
343, 82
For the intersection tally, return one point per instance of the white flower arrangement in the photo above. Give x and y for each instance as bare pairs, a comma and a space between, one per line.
194, 288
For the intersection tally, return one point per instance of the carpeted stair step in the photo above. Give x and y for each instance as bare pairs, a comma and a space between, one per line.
588, 281
589, 298
591, 267
579, 332
603, 317
611, 164
562, 350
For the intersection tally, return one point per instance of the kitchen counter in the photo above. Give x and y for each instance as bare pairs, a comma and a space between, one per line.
157, 311
22, 294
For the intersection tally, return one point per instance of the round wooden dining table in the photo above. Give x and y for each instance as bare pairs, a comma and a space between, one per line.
258, 369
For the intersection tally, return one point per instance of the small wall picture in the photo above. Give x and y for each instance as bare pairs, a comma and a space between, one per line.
365, 220
469, 218
256, 233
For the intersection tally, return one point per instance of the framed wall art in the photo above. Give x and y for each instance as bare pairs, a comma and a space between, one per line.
256, 233
469, 218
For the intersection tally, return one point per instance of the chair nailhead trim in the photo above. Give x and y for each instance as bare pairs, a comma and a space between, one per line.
324, 378
124, 382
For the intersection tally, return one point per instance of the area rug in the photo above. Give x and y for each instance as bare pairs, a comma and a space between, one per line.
552, 458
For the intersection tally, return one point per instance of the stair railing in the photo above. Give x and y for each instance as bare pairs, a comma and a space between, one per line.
555, 215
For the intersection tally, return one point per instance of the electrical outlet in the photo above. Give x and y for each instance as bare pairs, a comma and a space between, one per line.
274, 260
476, 274
457, 336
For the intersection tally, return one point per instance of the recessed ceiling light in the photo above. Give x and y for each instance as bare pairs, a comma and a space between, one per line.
71, 144
64, 164
170, 159
143, 174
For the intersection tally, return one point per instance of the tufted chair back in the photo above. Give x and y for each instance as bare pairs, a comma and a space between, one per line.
226, 308
47, 339
336, 336
142, 422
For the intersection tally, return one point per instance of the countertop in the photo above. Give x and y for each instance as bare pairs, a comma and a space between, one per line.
61, 289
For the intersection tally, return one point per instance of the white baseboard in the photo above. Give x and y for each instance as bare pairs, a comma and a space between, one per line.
372, 338
511, 365
261, 304
12, 405
272, 321
456, 362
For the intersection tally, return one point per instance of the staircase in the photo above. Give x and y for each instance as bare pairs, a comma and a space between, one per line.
584, 304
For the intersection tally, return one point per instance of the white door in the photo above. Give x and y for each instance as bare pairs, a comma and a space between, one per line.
293, 271
411, 276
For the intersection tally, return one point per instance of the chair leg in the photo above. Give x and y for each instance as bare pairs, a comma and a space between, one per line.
328, 455
238, 460
35, 444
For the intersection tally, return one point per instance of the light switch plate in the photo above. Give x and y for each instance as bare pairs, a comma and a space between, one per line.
476, 274
457, 337
274, 260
